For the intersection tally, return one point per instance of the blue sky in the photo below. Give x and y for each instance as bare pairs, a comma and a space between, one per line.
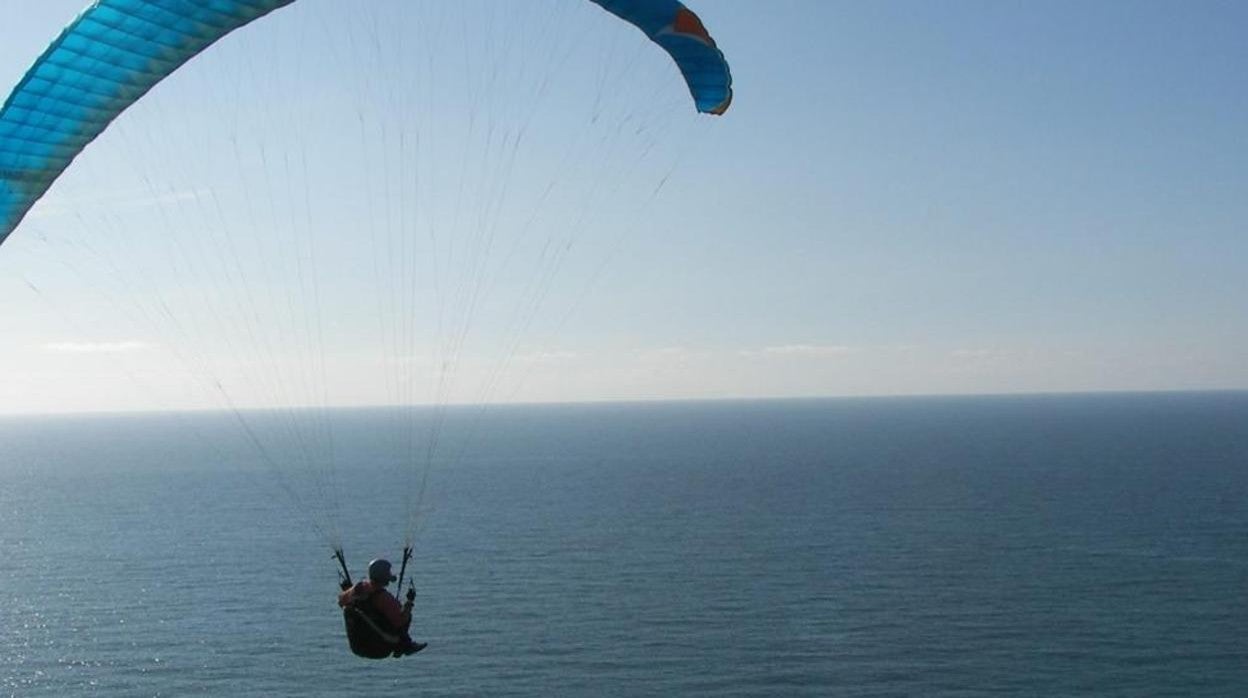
906, 198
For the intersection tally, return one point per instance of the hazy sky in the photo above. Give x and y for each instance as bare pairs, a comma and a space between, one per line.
905, 198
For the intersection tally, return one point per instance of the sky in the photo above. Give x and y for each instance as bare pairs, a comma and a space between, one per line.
905, 198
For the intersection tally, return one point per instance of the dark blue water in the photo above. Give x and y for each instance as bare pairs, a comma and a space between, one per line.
1029, 546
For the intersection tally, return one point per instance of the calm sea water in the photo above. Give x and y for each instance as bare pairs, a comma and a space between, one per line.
1029, 546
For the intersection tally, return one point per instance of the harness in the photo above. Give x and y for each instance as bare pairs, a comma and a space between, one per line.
368, 632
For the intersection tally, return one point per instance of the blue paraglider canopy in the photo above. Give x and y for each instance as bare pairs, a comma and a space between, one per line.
117, 50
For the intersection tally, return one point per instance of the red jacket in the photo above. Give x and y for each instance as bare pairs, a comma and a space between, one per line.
366, 591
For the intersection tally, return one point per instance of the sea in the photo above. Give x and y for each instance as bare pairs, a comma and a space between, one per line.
1051, 545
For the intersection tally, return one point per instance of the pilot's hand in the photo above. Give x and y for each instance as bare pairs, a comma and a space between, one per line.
344, 585
411, 594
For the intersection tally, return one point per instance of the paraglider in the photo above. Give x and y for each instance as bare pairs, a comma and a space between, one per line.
116, 51
377, 627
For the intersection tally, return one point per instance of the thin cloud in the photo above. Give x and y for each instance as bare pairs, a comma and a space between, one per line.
96, 347
974, 354
803, 350
664, 353
547, 356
